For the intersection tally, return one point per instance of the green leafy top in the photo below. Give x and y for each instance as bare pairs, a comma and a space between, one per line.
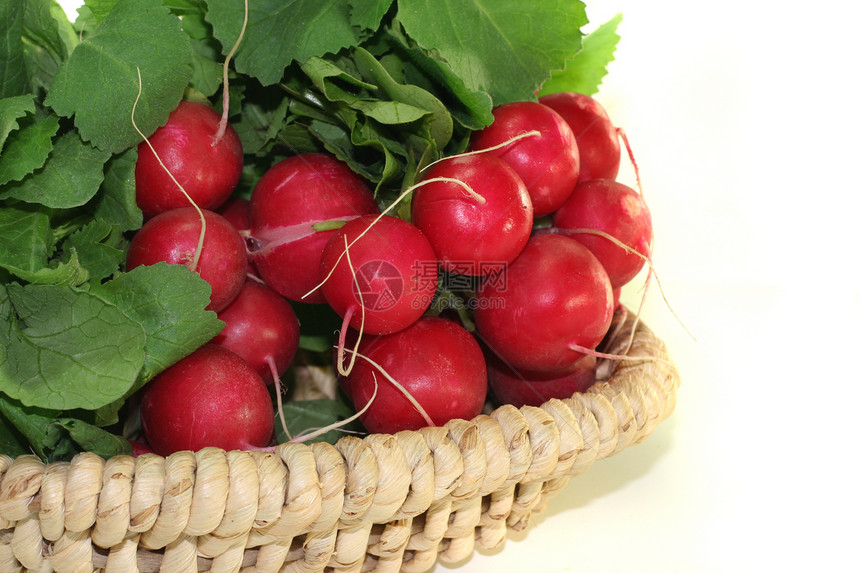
386, 85
99, 82
511, 47
585, 71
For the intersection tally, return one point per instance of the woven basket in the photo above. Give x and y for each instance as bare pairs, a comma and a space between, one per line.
381, 503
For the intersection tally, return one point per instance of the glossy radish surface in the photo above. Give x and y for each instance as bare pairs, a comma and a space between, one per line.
291, 198
596, 136
395, 273
172, 237
261, 327
617, 210
464, 231
548, 164
210, 398
554, 295
436, 360
209, 174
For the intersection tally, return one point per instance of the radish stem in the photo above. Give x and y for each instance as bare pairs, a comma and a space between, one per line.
225, 103
468, 189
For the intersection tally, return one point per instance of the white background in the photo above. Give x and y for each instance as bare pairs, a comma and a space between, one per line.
743, 117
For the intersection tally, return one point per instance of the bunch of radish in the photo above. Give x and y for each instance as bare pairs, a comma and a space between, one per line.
531, 215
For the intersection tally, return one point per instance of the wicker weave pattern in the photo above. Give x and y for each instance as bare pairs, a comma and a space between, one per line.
381, 503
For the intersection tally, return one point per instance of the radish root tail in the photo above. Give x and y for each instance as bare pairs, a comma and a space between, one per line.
618, 357
347, 317
623, 135
646, 257
479, 198
418, 408
304, 437
278, 395
195, 259
514, 139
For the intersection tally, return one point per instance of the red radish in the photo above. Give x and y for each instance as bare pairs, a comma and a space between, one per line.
289, 204
210, 398
139, 447
435, 360
596, 137
173, 237
209, 174
510, 386
261, 327
617, 210
237, 210
548, 164
391, 269
464, 231
553, 298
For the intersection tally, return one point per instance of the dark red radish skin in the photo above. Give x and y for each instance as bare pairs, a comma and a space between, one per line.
262, 328
172, 237
617, 210
554, 295
533, 389
436, 360
291, 197
465, 232
209, 174
209, 398
237, 210
596, 136
139, 447
395, 268
548, 165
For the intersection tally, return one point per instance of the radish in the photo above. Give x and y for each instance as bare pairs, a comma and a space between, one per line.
437, 362
378, 285
262, 328
210, 398
463, 231
173, 237
611, 209
208, 173
237, 210
520, 388
548, 163
293, 208
596, 137
139, 447
554, 301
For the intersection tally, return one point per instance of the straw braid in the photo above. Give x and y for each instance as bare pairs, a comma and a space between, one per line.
382, 503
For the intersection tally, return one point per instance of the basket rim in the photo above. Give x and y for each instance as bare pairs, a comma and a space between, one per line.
412, 497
